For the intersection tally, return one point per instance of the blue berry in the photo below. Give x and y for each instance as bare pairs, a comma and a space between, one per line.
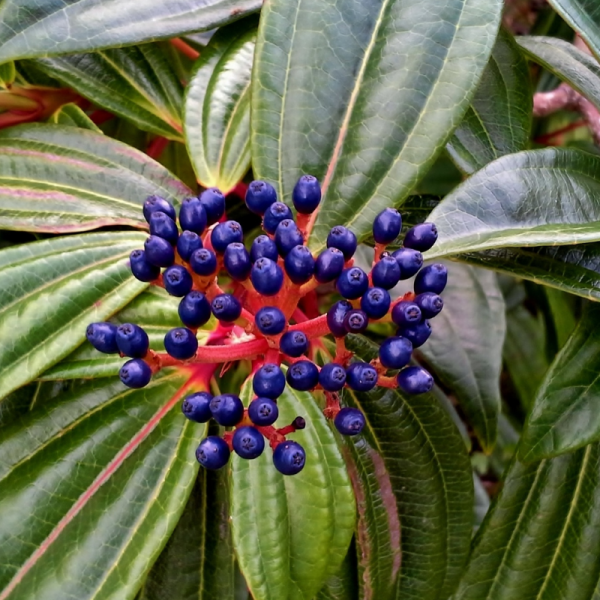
156, 203
266, 276
178, 282
329, 265
349, 421
421, 237
226, 308
187, 244
287, 236
417, 333
335, 318
293, 343
263, 247
203, 262
141, 268
332, 377
103, 336
268, 381
361, 376
386, 273
259, 196
196, 407
181, 343
159, 252
306, 195
227, 409
415, 380
303, 375
430, 304
248, 442
237, 261
342, 239
376, 303
213, 201
270, 320
132, 340
356, 321
387, 225
409, 261
194, 310
192, 215
406, 313
395, 352
299, 265
163, 226
276, 213
226, 233
289, 457
135, 373
213, 452
352, 283
263, 411
432, 278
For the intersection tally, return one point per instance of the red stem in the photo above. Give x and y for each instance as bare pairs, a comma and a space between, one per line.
184, 48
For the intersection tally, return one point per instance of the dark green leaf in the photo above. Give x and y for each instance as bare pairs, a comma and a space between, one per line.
344, 584
51, 291
482, 503
371, 119
135, 83
499, 117
584, 17
45, 28
217, 107
61, 179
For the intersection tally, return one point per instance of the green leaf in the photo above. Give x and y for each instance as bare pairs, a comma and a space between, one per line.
465, 348
482, 503
217, 107
540, 538
313, 510
584, 17
371, 119
570, 64
564, 415
135, 83
344, 584
499, 118
59, 179
523, 199
91, 486
44, 29
51, 291
71, 114
8, 73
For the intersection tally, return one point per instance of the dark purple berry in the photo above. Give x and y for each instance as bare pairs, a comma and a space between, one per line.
226, 308
194, 310
213, 452
237, 261
289, 457
227, 409
306, 195
386, 273
266, 276
248, 442
287, 236
415, 380
181, 343
192, 215
268, 381
303, 375
276, 213
417, 333
141, 268
349, 421
395, 352
406, 313
270, 320
352, 283
263, 247
329, 265
135, 373
187, 244
421, 237
132, 340
178, 282
361, 376
299, 264
376, 303
259, 196
203, 262
335, 318
213, 201
430, 304
156, 203
263, 411
293, 343
196, 407
226, 233
387, 225
409, 261
299, 423
103, 336
159, 252
356, 321
332, 377
163, 226
342, 239
432, 278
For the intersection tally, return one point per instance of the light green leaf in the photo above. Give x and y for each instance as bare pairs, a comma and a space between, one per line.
584, 17
8, 73
371, 119
71, 114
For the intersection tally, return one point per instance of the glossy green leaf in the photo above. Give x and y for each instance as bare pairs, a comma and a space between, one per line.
564, 416
135, 83
523, 199
540, 538
51, 291
71, 114
411, 465
44, 28
91, 486
567, 62
279, 521
499, 117
371, 119
465, 348
584, 17
59, 179
217, 107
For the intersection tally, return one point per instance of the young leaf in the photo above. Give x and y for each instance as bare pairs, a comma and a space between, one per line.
52, 290
135, 83
70, 114
91, 497
370, 120
217, 107
59, 179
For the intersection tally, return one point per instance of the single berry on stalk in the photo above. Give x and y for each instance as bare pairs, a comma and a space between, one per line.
226, 308
409, 261
270, 320
299, 264
349, 421
335, 318
224, 234
213, 452
266, 276
159, 252
306, 195
263, 247
237, 261
417, 333
192, 215
387, 225
227, 409
163, 226
430, 304
342, 239
406, 313
276, 213
294, 343
213, 201
132, 340
303, 375
203, 262
187, 244
376, 303
352, 283
289, 458
361, 376
421, 237
259, 196
178, 282
386, 273
415, 380
156, 203
135, 373
332, 377
181, 343
141, 268
194, 310
269, 381
263, 411
329, 265
395, 352
287, 236
103, 336
196, 407
248, 442
432, 278
356, 321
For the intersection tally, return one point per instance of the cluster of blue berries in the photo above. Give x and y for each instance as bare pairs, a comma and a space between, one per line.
267, 282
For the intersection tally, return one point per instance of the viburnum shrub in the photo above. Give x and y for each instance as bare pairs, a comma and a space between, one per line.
299, 300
